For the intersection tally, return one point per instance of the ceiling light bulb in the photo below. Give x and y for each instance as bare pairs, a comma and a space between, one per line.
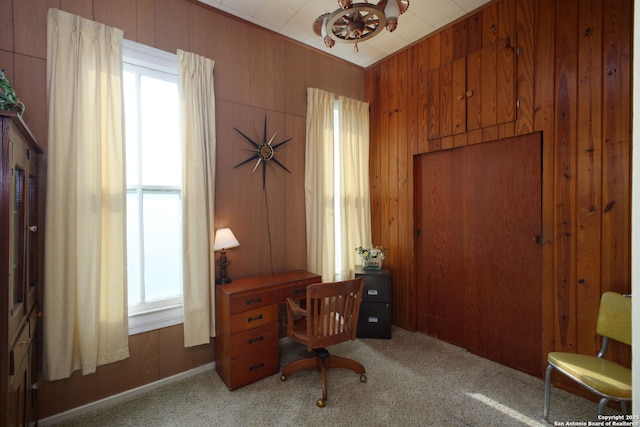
392, 11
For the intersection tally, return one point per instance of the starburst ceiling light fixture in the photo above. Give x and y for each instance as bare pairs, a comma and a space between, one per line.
356, 22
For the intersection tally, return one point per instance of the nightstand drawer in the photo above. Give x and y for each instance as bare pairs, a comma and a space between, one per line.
253, 319
254, 340
254, 366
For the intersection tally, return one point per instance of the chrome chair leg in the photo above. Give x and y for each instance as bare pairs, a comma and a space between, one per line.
547, 393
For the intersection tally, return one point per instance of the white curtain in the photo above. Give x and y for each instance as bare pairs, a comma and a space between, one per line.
85, 299
320, 191
318, 184
197, 109
354, 181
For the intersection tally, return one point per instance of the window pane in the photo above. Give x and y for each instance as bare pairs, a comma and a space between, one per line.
131, 126
162, 219
133, 248
161, 152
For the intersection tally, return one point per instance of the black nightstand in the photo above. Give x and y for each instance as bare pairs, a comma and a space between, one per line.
375, 310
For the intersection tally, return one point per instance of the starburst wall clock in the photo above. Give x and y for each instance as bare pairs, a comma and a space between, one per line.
263, 152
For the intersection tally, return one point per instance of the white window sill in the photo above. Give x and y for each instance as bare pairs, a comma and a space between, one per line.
156, 319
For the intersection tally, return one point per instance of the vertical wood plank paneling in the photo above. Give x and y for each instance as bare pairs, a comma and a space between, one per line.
565, 154
490, 25
543, 112
524, 69
556, 87
389, 232
506, 18
460, 40
505, 79
433, 103
459, 97
474, 90
445, 120
446, 46
489, 85
588, 172
405, 275
422, 53
474, 32
616, 152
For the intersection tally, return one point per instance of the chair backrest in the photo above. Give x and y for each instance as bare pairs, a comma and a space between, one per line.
614, 317
332, 312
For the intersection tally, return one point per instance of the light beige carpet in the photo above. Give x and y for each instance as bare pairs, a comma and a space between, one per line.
413, 380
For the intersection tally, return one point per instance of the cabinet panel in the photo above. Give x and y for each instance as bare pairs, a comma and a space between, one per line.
19, 278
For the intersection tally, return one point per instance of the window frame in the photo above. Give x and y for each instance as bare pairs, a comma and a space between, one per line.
153, 61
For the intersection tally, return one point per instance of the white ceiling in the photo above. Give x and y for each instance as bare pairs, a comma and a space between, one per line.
294, 18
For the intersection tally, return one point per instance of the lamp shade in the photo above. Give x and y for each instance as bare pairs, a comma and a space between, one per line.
225, 240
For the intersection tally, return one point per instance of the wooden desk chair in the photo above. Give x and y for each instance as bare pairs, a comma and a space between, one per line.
330, 317
605, 378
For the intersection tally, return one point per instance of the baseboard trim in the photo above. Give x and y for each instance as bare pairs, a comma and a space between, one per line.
117, 398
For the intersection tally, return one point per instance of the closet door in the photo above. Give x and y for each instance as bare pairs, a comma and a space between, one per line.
479, 274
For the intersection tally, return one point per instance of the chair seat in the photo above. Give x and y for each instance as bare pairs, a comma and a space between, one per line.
605, 376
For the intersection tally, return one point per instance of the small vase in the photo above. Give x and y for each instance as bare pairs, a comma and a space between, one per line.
372, 263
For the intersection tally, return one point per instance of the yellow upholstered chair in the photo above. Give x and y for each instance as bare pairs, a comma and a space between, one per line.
330, 317
605, 378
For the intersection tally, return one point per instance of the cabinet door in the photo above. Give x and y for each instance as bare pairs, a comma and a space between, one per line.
17, 236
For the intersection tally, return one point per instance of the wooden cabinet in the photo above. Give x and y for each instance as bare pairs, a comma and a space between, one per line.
473, 92
247, 331
19, 267
375, 311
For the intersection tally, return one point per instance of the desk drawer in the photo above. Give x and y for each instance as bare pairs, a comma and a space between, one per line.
254, 366
296, 292
254, 340
253, 319
250, 302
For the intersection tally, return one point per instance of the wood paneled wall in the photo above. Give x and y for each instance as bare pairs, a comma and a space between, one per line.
572, 81
257, 73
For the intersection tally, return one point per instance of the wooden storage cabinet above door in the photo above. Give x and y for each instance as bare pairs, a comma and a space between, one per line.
473, 92
19, 270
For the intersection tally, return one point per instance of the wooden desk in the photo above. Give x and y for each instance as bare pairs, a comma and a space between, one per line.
247, 332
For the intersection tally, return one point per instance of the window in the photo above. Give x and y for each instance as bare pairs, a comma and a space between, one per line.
154, 187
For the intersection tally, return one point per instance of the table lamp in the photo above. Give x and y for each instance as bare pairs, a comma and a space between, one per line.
224, 240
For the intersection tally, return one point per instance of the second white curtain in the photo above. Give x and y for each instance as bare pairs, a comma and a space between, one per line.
198, 118
320, 191
354, 181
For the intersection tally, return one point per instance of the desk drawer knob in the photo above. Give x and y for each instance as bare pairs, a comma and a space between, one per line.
252, 319
257, 300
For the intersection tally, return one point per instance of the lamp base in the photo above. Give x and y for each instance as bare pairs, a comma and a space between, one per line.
223, 281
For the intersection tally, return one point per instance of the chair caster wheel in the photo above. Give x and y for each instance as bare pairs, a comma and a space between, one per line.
283, 377
363, 378
321, 403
